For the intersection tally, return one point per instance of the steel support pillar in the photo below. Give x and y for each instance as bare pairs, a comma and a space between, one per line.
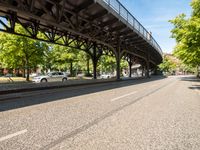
95, 70
130, 68
118, 60
147, 66
94, 61
118, 68
157, 71
154, 71
143, 70
147, 70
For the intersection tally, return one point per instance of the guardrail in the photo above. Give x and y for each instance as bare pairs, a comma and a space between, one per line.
131, 20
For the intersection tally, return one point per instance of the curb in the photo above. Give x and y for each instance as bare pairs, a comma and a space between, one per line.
9, 95
11, 91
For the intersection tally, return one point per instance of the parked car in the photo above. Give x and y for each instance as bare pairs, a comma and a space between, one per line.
106, 76
35, 74
9, 75
50, 77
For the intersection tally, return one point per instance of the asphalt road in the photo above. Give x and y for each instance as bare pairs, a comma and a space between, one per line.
149, 114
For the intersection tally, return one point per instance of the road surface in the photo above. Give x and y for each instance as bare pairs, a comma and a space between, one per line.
148, 114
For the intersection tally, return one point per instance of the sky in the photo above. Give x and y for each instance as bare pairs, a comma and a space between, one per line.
154, 16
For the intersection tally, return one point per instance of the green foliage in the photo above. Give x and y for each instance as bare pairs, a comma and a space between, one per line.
21, 52
196, 8
187, 34
63, 57
186, 68
85, 63
124, 64
107, 64
167, 65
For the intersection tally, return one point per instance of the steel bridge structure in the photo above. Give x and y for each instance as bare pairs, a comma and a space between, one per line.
98, 27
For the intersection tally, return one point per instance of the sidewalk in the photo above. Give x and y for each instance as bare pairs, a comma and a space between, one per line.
25, 87
14, 90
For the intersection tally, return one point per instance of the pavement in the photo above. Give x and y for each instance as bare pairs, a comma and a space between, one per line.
9, 88
148, 114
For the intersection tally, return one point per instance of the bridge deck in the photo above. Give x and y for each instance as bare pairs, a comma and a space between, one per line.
105, 22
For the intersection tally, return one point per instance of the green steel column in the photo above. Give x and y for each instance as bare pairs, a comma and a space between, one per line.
118, 59
147, 65
94, 60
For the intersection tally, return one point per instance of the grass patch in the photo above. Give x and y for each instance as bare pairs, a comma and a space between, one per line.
12, 79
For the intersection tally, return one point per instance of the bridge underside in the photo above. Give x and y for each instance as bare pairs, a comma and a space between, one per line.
89, 25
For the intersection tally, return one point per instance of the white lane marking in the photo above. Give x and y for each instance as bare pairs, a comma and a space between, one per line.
117, 98
12, 135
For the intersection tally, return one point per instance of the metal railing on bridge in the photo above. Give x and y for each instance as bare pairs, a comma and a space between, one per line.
131, 20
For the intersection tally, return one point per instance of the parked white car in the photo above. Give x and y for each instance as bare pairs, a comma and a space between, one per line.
32, 75
106, 76
51, 77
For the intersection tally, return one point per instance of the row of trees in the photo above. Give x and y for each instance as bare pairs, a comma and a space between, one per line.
167, 65
18, 52
187, 34
172, 65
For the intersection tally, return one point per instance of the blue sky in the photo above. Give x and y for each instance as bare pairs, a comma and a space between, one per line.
154, 16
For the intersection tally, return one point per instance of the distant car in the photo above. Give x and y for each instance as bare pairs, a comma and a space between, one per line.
51, 77
35, 74
9, 75
106, 76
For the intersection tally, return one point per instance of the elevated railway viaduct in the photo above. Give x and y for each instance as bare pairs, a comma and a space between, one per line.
98, 27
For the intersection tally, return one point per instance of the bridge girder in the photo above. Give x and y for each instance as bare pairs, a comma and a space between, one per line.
78, 24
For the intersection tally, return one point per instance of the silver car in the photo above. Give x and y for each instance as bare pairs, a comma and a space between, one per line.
51, 77
106, 76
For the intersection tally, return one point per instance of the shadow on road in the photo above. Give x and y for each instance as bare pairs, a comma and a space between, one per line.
190, 78
69, 93
195, 87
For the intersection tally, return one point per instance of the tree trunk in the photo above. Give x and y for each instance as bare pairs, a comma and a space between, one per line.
17, 72
71, 68
35, 69
198, 71
143, 70
95, 69
88, 66
24, 72
28, 71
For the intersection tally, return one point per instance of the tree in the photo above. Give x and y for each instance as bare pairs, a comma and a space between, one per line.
187, 34
63, 55
107, 64
87, 58
167, 65
21, 52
